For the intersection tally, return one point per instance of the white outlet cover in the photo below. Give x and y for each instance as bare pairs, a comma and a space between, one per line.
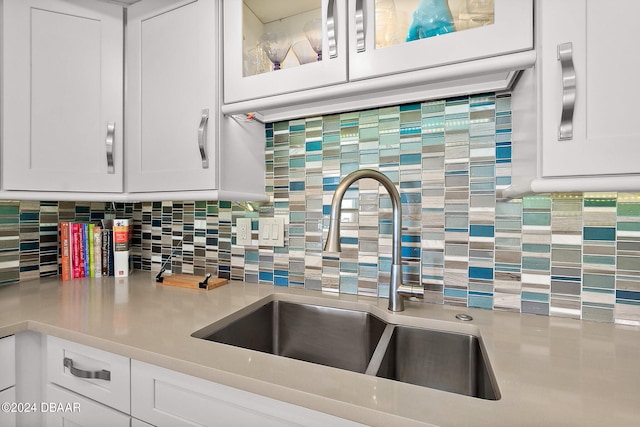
243, 232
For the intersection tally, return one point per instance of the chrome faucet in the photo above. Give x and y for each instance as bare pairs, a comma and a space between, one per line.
396, 301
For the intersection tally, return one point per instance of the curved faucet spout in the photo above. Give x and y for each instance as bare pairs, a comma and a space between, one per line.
396, 301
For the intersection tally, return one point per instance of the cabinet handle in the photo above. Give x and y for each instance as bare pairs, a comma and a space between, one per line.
331, 29
360, 47
111, 130
202, 138
565, 56
80, 373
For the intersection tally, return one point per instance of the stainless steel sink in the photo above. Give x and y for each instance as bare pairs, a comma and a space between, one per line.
361, 342
328, 336
446, 361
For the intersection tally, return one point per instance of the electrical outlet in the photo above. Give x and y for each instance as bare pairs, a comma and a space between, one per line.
271, 232
243, 232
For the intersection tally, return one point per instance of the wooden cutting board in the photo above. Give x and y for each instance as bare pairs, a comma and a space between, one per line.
192, 282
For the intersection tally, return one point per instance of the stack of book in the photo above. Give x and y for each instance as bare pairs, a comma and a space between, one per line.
94, 250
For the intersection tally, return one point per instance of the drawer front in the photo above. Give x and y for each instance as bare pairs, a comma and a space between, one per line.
64, 408
69, 364
167, 398
8, 365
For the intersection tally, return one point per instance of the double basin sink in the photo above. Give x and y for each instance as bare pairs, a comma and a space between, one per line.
361, 342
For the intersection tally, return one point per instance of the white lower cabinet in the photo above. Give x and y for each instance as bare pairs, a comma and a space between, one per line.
168, 398
97, 374
8, 418
8, 379
138, 394
65, 408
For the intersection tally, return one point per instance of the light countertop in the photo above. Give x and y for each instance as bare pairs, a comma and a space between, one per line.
550, 371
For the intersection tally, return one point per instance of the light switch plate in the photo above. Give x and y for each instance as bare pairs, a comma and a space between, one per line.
271, 232
243, 232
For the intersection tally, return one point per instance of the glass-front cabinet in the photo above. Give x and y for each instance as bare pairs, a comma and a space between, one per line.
279, 46
283, 46
405, 35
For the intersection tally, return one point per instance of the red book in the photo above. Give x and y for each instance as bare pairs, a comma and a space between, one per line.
76, 243
65, 249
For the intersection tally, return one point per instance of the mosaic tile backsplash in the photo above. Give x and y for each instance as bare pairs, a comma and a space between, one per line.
571, 255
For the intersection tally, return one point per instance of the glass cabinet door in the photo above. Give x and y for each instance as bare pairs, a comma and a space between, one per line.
390, 36
280, 46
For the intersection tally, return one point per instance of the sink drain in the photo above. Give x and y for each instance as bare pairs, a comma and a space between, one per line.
464, 317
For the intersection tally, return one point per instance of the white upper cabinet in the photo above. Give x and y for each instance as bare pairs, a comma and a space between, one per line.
282, 46
605, 135
62, 96
172, 92
360, 53
575, 116
407, 35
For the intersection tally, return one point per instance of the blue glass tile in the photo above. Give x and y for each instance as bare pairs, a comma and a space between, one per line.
296, 186
410, 107
481, 230
534, 296
479, 301
296, 128
314, 146
408, 238
283, 273
411, 198
484, 273
266, 276
348, 240
599, 233
409, 252
411, 159
455, 293
280, 281
628, 295
503, 153
251, 257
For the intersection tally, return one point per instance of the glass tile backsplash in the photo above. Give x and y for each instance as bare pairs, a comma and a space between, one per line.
571, 255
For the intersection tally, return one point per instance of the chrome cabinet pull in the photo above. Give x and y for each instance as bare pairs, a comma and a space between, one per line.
202, 138
331, 29
360, 46
565, 56
80, 373
111, 130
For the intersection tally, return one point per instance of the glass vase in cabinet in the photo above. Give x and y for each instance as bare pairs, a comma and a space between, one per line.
391, 36
276, 47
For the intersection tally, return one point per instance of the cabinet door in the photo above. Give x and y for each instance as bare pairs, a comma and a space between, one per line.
63, 408
288, 30
62, 95
408, 35
167, 398
8, 365
605, 133
172, 116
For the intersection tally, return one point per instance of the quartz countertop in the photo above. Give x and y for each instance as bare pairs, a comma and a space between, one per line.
550, 371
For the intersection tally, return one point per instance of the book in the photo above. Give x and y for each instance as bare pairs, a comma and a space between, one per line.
92, 271
65, 250
107, 250
121, 247
85, 250
97, 251
76, 245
